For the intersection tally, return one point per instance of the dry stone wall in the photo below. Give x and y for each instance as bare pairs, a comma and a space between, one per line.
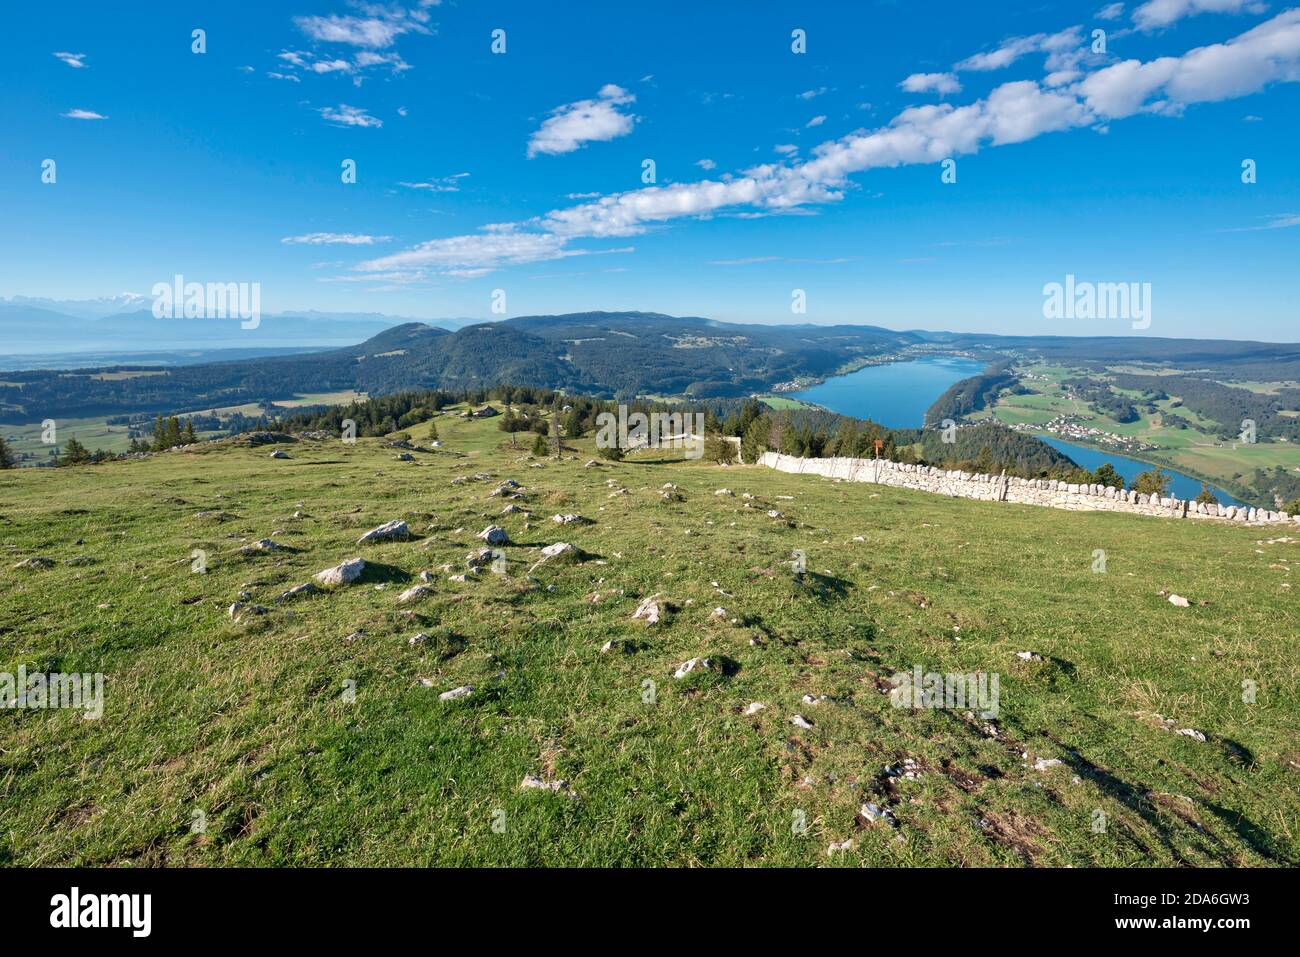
1008, 488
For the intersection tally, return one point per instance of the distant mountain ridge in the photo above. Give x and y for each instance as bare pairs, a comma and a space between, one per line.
600, 353
126, 324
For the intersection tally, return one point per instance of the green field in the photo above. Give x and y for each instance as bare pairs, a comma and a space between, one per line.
782, 402
290, 744
96, 433
1196, 450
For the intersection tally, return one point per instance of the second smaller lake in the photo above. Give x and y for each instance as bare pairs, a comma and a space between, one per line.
1180, 485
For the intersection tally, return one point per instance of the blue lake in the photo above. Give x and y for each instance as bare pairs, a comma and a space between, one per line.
1180, 485
898, 394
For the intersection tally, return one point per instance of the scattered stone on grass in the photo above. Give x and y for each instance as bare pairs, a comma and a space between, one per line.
344, 573
389, 531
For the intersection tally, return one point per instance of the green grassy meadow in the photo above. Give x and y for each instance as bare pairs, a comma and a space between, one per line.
275, 740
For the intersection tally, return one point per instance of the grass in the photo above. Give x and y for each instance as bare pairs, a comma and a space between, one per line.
93, 432
783, 402
96, 433
249, 727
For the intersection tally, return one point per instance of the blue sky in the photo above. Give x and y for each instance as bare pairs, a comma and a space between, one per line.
775, 170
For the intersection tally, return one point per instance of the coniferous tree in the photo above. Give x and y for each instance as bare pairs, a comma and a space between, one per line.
1106, 475
1153, 482
7, 458
74, 453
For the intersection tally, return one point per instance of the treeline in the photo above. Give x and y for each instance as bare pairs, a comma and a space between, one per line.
1281, 483
1102, 397
806, 432
971, 395
1226, 405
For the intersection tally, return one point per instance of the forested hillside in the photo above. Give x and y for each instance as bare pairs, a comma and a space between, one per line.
609, 354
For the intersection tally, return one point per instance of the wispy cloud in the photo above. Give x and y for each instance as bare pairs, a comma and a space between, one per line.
378, 28
1013, 49
1156, 14
706, 164
72, 59
334, 239
570, 126
1013, 112
1278, 221
83, 115
442, 184
344, 115
815, 121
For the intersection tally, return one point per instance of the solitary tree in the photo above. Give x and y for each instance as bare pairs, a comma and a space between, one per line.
1106, 475
1207, 497
74, 453
1153, 482
7, 459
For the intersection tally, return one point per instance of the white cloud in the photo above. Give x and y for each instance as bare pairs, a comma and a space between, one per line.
72, 59
330, 66
1012, 113
284, 76
1111, 11
1268, 53
787, 149
815, 121
344, 115
941, 83
334, 239
810, 94
570, 126
706, 164
401, 111
82, 115
1155, 14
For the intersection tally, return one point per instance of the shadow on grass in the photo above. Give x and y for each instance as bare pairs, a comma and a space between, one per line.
1251, 834
824, 587
377, 572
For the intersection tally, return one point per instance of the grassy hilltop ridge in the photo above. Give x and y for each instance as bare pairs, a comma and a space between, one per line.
246, 722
